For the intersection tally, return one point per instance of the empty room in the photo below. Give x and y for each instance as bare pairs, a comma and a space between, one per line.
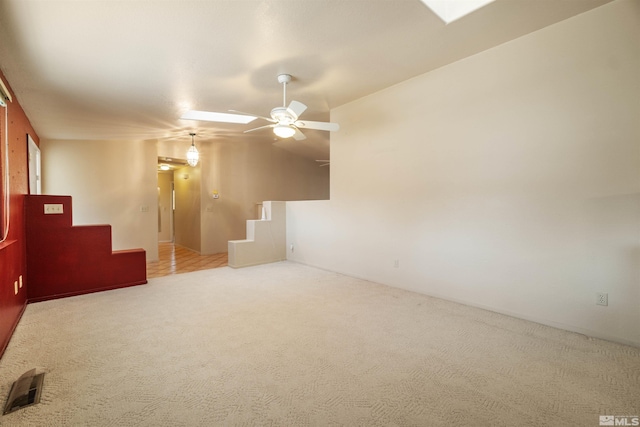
418, 214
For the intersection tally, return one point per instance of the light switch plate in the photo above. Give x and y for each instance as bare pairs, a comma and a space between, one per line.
53, 208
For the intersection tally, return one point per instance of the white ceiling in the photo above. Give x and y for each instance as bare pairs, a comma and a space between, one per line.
110, 69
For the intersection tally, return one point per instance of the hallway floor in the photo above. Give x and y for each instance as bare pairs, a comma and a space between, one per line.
176, 259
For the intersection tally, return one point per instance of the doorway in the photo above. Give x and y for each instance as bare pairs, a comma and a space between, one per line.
35, 183
179, 203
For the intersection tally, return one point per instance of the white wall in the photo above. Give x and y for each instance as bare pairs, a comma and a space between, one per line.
109, 181
509, 180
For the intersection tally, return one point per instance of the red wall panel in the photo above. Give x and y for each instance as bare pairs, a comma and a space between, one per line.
16, 126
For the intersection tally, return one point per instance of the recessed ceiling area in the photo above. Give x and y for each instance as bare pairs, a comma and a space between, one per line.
104, 70
169, 164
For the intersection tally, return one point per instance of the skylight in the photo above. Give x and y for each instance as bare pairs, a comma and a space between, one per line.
450, 10
217, 117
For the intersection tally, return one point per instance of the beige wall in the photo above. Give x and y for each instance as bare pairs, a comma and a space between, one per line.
509, 180
244, 174
111, 182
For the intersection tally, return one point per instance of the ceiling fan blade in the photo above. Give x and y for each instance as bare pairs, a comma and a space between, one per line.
317, 125
298, 136
258, 128
255, 116
209, 116
296, 109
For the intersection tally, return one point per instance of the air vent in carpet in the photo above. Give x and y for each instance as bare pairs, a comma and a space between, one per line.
25, 391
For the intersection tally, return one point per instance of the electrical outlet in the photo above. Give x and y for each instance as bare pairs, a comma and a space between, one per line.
602, 298
291, 248
396, 263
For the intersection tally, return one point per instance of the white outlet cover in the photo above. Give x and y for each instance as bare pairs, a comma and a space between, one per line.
602, 298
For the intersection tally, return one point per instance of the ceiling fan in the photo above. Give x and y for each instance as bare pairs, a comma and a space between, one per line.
284, 120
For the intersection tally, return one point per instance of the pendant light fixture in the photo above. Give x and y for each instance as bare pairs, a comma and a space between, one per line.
192, 154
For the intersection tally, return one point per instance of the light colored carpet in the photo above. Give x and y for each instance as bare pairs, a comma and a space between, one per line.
289, 345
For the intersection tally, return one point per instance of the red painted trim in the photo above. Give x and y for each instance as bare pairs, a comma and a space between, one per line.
5, 343
7, 243
84, 292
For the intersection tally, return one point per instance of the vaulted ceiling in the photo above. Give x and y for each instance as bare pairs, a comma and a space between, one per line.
127, 69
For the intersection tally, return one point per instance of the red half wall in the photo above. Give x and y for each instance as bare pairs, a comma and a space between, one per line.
65, 260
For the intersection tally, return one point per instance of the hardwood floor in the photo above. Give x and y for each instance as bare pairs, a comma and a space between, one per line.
176, 259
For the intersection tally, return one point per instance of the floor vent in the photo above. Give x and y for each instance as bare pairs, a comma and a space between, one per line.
25, 391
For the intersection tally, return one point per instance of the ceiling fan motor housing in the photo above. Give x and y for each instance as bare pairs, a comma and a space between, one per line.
282, 116
284, 78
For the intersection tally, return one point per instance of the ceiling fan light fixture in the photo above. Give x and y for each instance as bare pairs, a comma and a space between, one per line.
192, 153
284, 131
